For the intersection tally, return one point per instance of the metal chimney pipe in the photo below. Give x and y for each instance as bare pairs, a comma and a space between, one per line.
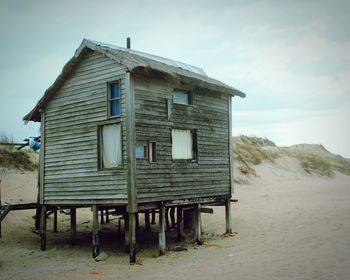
128, 43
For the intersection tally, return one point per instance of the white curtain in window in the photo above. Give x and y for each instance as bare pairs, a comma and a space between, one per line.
111, 145
182, 144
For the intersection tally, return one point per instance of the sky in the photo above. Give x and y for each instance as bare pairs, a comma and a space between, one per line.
291, 58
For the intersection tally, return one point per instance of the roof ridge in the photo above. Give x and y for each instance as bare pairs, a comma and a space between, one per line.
157, 58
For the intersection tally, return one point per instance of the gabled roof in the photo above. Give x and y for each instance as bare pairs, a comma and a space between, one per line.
134, 61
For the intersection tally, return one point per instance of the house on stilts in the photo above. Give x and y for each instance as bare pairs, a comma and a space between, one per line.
126, 130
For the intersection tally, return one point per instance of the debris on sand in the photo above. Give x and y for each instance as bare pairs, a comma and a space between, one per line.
101, 257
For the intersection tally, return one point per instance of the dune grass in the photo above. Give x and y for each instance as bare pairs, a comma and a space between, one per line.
314, 159
249, 151
18, 159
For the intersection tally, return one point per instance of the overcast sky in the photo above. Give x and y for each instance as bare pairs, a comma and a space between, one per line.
291, 58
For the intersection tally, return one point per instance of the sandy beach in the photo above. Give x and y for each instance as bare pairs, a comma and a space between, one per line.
289, 226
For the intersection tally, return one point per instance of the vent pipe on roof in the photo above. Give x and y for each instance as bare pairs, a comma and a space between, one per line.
128, 43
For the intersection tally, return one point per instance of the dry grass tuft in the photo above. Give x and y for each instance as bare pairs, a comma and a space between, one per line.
17, 159
314, 164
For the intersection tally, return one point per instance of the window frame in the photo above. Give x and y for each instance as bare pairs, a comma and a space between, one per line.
189, 94
110, 100
194, 158
99, 163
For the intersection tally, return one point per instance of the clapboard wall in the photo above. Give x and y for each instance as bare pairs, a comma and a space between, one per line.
70, 136
177, 180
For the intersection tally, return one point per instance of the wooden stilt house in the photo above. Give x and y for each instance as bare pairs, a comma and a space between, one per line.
132, 131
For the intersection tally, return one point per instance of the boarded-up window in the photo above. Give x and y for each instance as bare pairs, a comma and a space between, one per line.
110, 146
183, 146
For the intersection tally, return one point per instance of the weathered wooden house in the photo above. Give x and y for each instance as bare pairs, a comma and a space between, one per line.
132, 131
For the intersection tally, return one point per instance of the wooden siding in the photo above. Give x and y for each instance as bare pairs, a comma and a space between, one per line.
172, 180
71, 119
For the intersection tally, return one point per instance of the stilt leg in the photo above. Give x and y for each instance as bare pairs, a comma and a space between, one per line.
102, 217
95, 228
228, 216
119, 224
137, 221
172, 217
180, 223
55, 221
167, 218
73, 226
162, 240
153, 217
132, 237
147, 223
107, 216
43, 228
37, 218
126, 231
198, 229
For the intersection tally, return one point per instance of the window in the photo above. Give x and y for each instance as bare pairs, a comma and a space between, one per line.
152, 151
182, 97
140, 151
184, 144
114, 99
109, 146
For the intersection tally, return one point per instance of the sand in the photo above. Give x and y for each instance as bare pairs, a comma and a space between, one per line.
290, 225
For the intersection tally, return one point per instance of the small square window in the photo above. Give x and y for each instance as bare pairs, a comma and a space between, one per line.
140, 152
114, 99
182, 97
152, 151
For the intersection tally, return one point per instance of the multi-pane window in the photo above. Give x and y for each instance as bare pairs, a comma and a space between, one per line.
110, 146
114, 99
182, 97
184, 144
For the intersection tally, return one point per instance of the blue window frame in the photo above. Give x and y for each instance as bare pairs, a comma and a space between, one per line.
114, 100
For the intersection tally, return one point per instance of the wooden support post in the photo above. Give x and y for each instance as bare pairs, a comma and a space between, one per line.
162, 239
153, 222
132, 208
172, 217
43, 228
137, 221
147, 222
55, 220
228, 216
166, 218
132, 237
126, 231
38, 209
107, 216
73, 225
102, 218
95, 229
180, 223
197, 226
